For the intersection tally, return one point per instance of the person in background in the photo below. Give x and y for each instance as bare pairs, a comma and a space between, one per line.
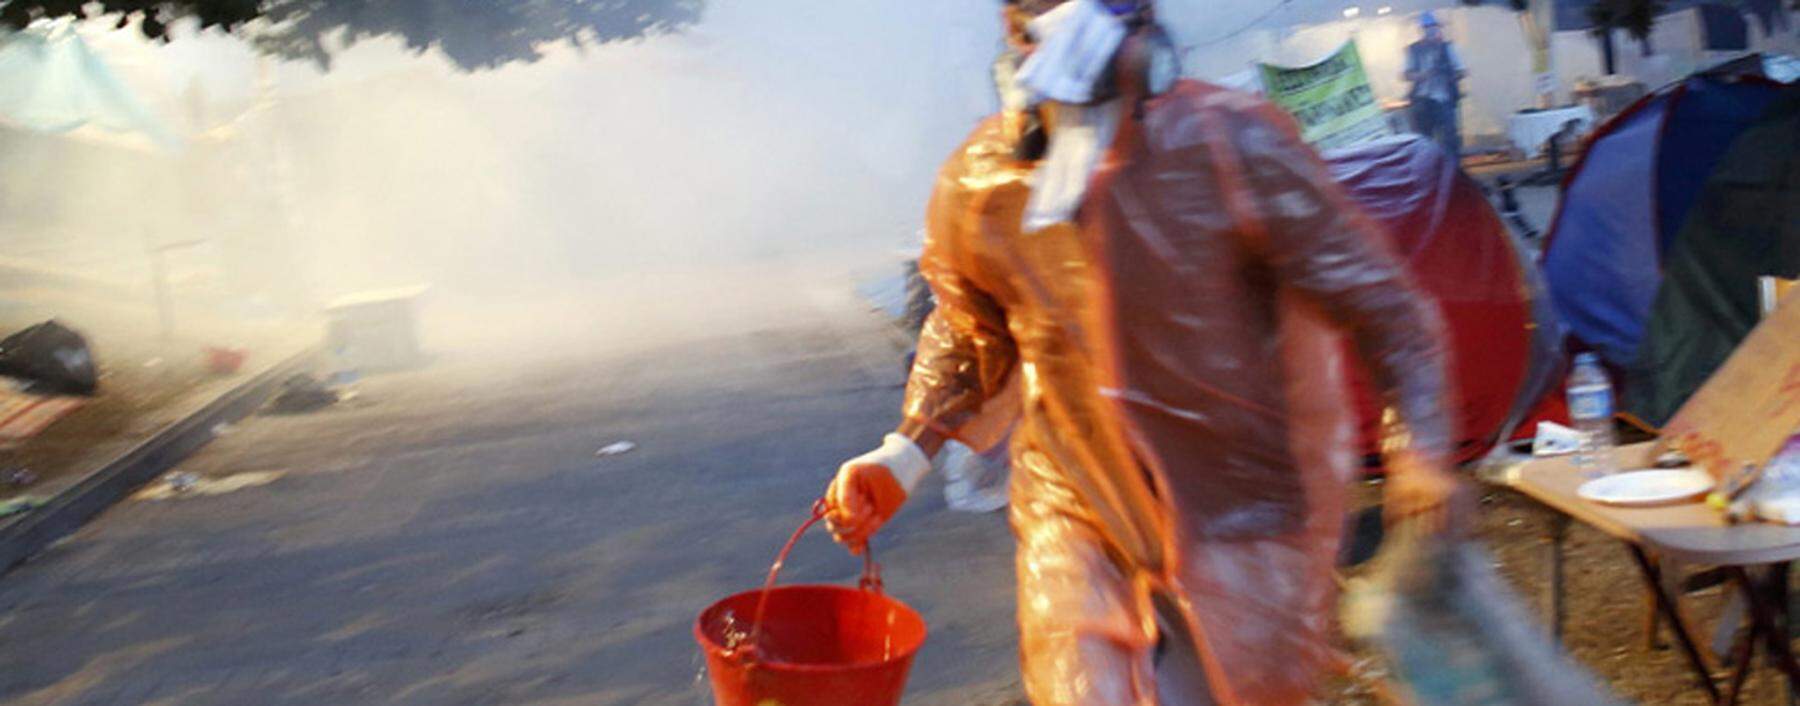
1436, 71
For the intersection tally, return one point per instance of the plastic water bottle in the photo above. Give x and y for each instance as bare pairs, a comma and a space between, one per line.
1591, 407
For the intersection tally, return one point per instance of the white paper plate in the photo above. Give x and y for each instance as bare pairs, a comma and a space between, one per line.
1647, 488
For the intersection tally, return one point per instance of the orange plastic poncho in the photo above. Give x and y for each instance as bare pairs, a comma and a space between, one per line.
1184, 438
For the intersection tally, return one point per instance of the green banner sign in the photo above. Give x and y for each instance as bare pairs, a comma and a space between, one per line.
1331, 99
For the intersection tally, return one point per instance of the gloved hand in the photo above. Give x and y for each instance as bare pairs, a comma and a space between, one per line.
870, 488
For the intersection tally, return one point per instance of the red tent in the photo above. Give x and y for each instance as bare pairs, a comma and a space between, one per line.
1505, 341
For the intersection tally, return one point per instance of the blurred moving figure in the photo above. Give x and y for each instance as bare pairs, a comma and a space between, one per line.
1155, 300
1436, 70
974, 481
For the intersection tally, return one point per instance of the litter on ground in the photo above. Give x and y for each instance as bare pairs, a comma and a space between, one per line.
187, 484
616, 448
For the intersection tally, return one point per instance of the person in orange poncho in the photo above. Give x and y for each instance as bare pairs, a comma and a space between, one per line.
1156, 298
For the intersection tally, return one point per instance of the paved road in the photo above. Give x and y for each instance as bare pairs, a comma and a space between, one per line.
457, 541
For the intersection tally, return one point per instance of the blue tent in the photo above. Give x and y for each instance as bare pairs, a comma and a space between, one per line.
1631, 193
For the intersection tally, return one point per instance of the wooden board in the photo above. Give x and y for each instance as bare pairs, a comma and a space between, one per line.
1693, 533
1742, 415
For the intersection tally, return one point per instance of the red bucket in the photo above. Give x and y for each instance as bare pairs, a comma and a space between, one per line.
814, 646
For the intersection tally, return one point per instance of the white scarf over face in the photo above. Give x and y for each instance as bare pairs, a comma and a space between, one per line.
1075, 44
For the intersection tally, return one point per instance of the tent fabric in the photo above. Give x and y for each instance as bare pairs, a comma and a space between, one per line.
1460, 254
1745, 224
1629, 196
1707, 117
1602, 279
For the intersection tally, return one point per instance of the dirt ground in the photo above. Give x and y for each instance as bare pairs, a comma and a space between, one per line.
1605, 608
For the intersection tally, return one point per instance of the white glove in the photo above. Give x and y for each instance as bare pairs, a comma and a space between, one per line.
870, 488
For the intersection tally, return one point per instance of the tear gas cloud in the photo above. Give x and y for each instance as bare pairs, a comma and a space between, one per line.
772, 131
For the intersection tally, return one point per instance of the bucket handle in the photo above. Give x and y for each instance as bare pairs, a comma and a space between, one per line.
870, 580
871, 573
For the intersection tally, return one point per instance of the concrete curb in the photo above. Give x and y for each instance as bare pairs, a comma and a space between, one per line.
114, 480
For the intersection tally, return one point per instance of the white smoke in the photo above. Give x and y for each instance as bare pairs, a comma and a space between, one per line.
772, 129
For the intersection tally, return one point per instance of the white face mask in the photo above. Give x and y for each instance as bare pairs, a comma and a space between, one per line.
1076, 43
1082, 134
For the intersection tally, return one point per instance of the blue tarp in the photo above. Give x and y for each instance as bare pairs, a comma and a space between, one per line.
51, 82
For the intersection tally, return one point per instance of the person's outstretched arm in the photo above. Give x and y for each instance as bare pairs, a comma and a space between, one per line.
964, 359
1318, 242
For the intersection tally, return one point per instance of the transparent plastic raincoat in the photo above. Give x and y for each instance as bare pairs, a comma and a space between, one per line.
1172, 356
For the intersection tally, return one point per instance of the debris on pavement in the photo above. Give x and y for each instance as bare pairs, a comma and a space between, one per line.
181, 482
18, 477
189, 484
51, 358
223, 429
353, 398
225, 360
20, 505
302, 393
616, 448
